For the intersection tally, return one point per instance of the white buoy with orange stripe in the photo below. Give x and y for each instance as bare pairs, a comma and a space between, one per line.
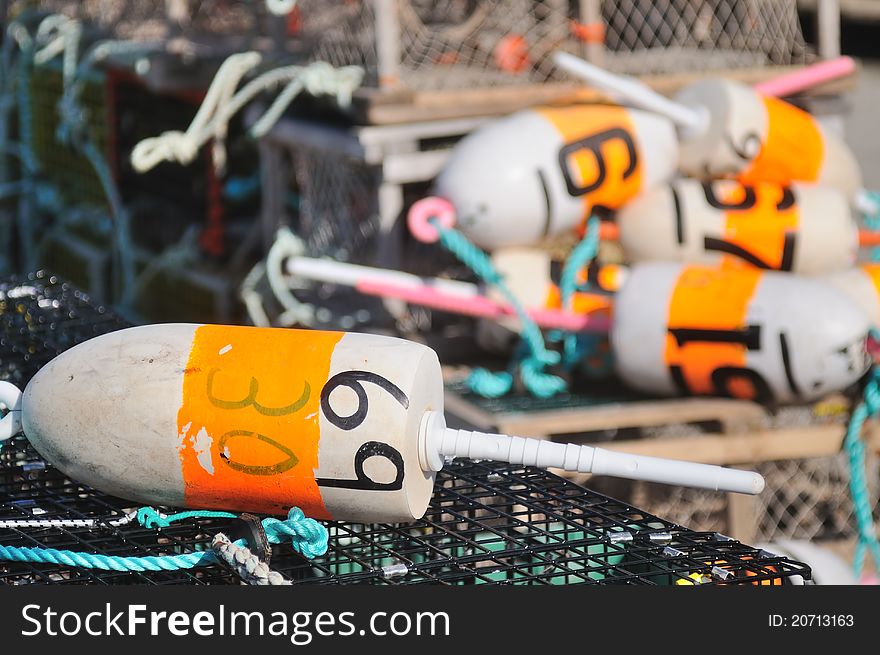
862, 285
742, 332
727, 129
797, 228
759, 138
343, 425
542, 171
746, 333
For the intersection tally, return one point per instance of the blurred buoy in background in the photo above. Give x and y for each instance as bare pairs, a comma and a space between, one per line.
797, 228
542, 172
759, 335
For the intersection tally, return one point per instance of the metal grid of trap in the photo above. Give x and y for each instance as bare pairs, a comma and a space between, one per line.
487, 523
42, 316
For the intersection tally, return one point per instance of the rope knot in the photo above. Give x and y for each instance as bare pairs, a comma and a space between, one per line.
320, 78
151, 518
307, 536
173, 145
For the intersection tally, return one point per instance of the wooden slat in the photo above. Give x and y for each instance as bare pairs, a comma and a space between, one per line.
733, 414
741, 515
374, 109
753, 447
867, 10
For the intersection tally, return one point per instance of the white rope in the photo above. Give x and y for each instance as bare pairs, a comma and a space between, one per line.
68, 523
253, 299
222, 103
287, 245
184, 146
250, 568
62, 36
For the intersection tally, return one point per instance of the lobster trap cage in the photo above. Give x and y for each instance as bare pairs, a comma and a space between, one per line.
147, 20
423, 45
66, 218
487, 523
806, 496
803, 499
336, 202
61, 164
343, 189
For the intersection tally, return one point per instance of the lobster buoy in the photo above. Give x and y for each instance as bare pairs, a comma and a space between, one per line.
344, 425
757, 138
797, 228
542, 172
862, 285
728, 129
758, 335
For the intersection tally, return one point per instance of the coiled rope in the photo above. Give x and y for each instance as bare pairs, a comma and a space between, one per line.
222, 102
307, 537
582, 254
536, 357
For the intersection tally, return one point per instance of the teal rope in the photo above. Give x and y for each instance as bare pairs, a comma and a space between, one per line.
536, 381
867, 538
583, 253
106, 562
150, 518
490, 384
872, 222
307, 536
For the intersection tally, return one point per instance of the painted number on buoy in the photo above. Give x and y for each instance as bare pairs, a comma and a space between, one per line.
353, 380
706, 348
751, 214
591, 146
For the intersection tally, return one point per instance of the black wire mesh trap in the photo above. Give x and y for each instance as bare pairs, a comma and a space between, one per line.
42, 316
488, 523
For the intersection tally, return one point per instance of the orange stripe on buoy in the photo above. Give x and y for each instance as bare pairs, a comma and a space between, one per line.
600, 155
248, 426
794, 148
873, 273
710, 301
765, 231
582, 303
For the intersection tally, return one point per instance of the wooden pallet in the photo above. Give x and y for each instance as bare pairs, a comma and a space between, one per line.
735, 415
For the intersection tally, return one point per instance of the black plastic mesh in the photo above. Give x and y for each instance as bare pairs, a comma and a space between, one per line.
42, 316
487, 523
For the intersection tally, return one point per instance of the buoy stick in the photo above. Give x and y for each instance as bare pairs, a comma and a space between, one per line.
633, 92
447, 295
351, 275
806, 78
439, 441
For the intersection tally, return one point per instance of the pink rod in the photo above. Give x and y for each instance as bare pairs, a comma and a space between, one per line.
482, 307
805, 78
